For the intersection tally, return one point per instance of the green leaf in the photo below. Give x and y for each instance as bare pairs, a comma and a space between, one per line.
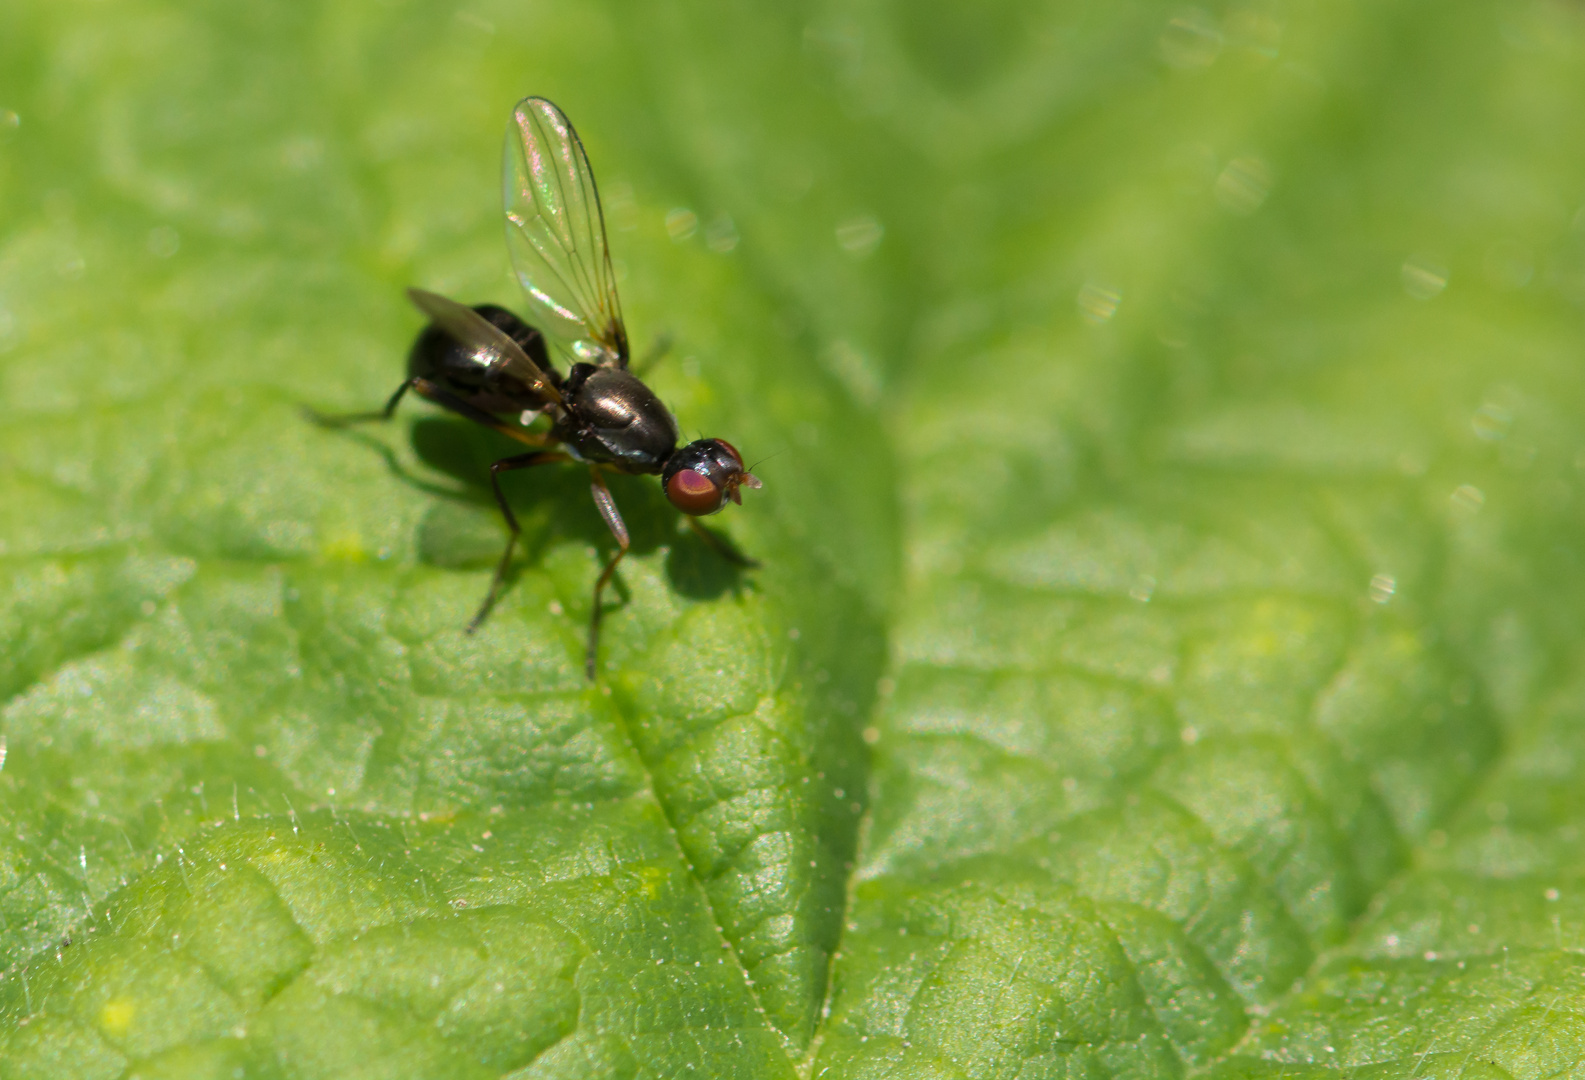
1164, 655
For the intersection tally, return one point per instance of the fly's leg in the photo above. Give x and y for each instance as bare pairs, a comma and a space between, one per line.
657, 352
347, 419
521, 461
445, 399
721, 547
613, 521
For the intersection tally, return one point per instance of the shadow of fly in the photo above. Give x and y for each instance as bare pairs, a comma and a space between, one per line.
488, 365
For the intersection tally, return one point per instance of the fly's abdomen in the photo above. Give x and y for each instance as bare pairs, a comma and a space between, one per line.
439, 357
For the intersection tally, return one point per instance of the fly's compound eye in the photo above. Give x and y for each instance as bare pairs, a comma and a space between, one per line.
702, 476
694, 493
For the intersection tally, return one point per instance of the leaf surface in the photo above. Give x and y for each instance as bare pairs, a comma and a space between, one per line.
1162, 661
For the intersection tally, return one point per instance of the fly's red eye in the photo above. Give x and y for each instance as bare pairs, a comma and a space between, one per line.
693, 493
729, 448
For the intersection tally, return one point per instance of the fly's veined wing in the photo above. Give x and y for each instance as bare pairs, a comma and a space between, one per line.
555, 231
476, 332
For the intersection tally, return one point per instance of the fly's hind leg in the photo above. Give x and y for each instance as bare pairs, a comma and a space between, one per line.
445, 399
613, 521
347, 419
448, 400
521, 461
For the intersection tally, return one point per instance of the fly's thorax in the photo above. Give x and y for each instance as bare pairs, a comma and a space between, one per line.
611, 416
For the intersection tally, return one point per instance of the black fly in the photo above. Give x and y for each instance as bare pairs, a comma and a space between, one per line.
488, 365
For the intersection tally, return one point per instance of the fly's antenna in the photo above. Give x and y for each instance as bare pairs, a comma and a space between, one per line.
766, 458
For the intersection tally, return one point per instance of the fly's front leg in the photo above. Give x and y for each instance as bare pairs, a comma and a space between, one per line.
521, 461
720, 546
347, 419
613, 521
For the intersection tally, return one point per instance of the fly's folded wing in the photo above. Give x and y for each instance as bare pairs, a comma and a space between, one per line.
493, 345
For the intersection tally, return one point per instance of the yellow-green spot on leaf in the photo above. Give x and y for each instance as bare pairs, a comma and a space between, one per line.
116, 1017
345, 546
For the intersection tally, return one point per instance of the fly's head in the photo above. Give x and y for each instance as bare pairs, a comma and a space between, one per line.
699, 478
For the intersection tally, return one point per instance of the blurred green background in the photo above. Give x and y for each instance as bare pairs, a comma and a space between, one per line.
1165, 656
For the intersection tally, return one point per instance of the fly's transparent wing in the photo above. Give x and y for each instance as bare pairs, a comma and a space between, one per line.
555, 231
493, 345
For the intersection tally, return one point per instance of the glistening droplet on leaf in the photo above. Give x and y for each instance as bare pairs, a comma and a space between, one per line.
1257, 31
621, 206
720, 235
1242, 186
1467, 499
681, 223
1191, 40
860, 236
856, 371
1423, 277
1491, 422
1098, 303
